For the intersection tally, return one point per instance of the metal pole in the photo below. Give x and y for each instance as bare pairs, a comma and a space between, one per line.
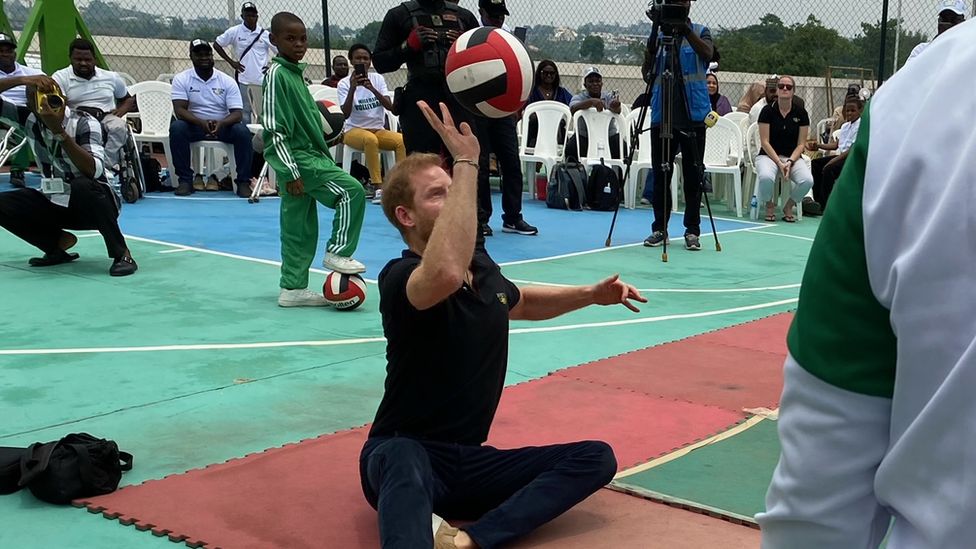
327, 45
884, 40
231, 20
894, 66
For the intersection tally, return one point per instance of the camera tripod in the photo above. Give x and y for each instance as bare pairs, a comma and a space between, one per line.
667, 75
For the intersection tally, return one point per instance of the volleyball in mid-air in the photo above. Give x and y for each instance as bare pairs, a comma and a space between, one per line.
345, 292
332, 119
489, 72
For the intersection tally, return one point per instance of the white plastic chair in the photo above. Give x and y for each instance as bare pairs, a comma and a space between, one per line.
165, 77
319, 91
753, 145
642, 159
723, 155
598, 137
742, 120
156, 111
548, 149
205, 160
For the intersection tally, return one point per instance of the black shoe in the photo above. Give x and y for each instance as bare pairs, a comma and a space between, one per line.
244, 190
486, 230
656, 239
692, 242
185, 189
370, 189
17, 178
123, 266
519, 227
52, 259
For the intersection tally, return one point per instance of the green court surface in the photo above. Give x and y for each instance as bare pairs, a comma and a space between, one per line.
190, 362
728, 477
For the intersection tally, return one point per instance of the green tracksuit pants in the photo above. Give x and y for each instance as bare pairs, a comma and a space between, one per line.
328, 184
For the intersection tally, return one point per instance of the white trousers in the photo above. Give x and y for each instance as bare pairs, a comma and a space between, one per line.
767, 172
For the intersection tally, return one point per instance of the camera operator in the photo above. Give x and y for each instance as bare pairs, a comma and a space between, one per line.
68, 146
690, 105
420, 33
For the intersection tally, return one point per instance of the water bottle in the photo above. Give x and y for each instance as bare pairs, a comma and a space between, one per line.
753, 207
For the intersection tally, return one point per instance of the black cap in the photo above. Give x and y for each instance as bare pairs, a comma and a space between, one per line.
7, 39
493, 7
198, 44
249, 6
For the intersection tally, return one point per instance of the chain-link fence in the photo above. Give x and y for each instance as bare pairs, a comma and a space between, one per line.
756, 38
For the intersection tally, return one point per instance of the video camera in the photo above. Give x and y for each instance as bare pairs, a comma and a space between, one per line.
667, 12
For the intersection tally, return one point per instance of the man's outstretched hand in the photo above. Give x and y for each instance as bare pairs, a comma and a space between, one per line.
613, 291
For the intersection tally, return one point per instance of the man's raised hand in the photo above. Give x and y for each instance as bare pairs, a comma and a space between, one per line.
460, 142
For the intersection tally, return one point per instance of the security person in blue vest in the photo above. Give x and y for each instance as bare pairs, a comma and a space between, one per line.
690, 105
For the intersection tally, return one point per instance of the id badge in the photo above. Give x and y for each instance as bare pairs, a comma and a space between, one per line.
52, 185
436, 20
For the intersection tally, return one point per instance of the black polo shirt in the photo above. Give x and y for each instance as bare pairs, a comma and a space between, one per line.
783, 131
445, 365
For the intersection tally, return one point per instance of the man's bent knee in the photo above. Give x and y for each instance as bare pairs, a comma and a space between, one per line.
600, 455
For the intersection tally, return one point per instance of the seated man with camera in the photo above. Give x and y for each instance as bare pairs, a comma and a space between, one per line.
74, 192
98, 92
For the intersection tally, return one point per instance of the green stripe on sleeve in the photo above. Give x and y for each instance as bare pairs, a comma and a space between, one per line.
841, 333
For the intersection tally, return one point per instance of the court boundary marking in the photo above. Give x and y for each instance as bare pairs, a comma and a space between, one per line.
355, 341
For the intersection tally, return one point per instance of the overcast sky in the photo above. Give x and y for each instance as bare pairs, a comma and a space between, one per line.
843, 15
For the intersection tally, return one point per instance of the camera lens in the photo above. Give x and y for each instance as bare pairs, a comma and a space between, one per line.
55, 101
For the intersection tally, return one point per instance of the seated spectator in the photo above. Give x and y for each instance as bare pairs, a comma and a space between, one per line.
768, 99
827, 169
783, 130
10, 68
593, 97
68, 145
208, 106
546, 88
720, 103
340, 70
363, 99
99, 93
755, 92
951, 13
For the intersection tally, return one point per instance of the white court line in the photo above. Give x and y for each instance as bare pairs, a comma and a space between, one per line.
202, 199
225, 254
87, 235
651, 319
605, 249
331, 342
770, 233
672, 290
175, 251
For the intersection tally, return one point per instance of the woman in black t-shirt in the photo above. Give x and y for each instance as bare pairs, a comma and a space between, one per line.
783, 130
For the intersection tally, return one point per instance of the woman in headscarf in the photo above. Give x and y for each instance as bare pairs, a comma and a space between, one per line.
720, 103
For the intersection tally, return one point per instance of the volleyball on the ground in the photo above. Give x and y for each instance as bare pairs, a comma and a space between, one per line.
489, 72
344, 291
332, 119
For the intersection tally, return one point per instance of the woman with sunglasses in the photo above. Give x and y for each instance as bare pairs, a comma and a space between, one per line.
783, 130
545, 88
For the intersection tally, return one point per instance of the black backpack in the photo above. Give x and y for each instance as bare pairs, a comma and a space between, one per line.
150, 173
603, 190
566, 189
10, 468
79, 465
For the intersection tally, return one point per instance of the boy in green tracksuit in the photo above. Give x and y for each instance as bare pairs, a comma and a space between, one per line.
295, 148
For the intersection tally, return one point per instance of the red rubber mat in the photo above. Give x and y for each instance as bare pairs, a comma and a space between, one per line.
638, 427
736, 368
308, 494
610, 519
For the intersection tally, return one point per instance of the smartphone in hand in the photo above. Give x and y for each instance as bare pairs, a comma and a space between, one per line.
360, 69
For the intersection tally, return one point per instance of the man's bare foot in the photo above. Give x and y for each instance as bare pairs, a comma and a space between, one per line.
67, 241
463, 541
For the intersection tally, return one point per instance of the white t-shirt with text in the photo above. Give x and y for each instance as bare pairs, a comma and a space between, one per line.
99, 91
210, 99
239, 38
367, 111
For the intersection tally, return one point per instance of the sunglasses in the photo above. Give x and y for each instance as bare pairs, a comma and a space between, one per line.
547, 72
787, 87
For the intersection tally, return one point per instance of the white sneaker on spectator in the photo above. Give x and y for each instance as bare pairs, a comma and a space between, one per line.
344, 265
378, 197
302, 297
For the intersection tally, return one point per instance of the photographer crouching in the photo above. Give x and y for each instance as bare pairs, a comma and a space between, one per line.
74, 192
692, 50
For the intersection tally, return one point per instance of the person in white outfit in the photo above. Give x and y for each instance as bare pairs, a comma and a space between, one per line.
252, 46
951, 13
783, 130
877, 413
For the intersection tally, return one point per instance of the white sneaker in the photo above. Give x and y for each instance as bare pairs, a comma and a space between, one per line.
344, 265
378, 197
301, 298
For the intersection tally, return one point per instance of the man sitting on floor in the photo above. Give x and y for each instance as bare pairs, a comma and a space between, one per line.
98, 92
68, 147
207, 104
446, 309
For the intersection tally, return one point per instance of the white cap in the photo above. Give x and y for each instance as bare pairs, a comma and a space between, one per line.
956, 6
591, 70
